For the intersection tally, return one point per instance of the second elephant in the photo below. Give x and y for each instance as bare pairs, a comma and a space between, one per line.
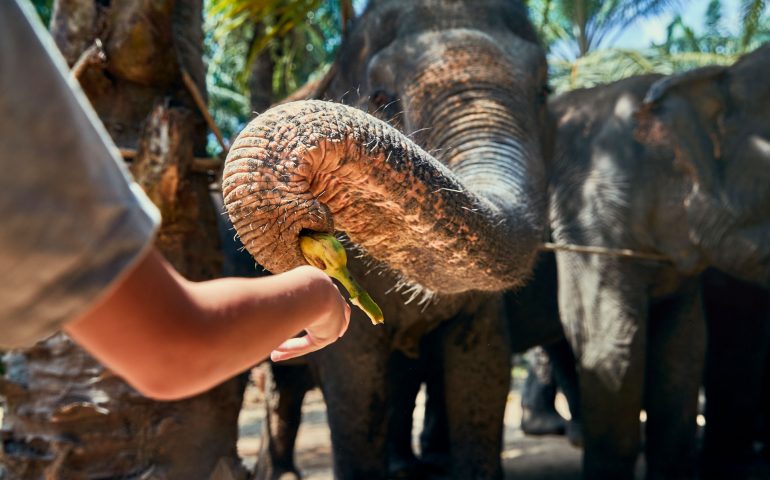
678, 166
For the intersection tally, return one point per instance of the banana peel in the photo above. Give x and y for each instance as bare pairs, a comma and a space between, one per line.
324, 251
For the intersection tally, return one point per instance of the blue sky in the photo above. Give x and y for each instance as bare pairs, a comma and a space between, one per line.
644, 32
653, 29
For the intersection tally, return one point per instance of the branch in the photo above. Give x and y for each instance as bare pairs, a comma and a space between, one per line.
201, 104
199, 164
93, 55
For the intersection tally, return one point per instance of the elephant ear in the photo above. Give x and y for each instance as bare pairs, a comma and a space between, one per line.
698, 84
685, 112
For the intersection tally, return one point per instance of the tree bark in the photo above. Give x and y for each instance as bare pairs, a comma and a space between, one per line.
261, 76
66, 416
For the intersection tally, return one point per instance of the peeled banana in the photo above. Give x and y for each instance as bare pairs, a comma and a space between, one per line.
324, 251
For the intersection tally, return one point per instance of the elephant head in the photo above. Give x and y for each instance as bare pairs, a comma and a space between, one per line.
717, 123
463, 80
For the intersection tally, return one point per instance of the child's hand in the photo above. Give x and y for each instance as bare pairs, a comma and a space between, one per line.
324, 331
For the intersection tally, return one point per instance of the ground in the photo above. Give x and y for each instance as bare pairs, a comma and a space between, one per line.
524, 458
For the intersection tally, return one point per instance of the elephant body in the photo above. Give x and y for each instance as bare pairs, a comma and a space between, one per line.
679, 166
440, 237
469, 354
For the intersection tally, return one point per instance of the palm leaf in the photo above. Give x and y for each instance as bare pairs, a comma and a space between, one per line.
751, 14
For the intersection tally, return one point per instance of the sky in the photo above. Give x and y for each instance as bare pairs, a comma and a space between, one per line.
653, 29
644, 32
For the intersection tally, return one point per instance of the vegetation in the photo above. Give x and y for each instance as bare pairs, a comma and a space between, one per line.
683, 48
299, 38
44, 8
573, 28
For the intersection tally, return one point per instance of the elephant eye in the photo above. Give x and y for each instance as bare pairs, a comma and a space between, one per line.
542, 94
385, 106
381, 99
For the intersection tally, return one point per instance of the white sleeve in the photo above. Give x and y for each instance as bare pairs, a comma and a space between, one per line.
71, 218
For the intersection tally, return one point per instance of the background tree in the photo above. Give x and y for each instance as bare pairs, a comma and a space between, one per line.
572, 29
261, 51
66, 416
684, 47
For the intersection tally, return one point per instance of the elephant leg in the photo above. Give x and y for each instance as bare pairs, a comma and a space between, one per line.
286, 392
353, 377
565, 373
539, 415
405, 379
434, 439
675, 357
737, 322
477, 359
603, 305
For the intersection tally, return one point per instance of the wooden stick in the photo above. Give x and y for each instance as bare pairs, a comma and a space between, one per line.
201, 104
92, 55
614, 252
200, 164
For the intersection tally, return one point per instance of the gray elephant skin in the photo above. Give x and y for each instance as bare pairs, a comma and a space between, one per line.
447, 210
678, 166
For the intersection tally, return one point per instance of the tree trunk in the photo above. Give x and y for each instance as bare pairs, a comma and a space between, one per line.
66, 416
261, 76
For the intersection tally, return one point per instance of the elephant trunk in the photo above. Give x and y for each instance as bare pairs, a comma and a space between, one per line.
321, 166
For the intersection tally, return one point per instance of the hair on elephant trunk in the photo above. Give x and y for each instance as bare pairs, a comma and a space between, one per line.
322, 166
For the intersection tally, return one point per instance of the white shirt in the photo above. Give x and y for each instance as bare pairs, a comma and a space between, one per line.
71, 219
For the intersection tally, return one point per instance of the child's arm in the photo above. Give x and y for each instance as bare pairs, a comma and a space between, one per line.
172, 338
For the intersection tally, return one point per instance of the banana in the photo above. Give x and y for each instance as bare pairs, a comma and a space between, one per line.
324, 251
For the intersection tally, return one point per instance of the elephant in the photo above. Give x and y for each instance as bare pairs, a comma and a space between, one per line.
534, 324
678, 166
438, 236
532, 319
551, 368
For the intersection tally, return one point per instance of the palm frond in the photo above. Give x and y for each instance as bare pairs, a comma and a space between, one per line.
609, 65
580, 26
751, 15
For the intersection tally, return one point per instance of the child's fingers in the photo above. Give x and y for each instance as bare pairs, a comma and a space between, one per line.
347, 320
294, 347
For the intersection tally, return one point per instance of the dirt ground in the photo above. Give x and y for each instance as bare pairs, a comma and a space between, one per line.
524, 457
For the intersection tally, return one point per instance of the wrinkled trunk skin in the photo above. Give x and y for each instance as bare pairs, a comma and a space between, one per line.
438, 214
65, 415
368, 172
470, 219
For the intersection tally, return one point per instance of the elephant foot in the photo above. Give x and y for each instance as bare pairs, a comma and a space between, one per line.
542, 423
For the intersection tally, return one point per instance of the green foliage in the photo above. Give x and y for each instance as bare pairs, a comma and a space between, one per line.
228, 98
756, 29
716, 39
609, 65
573, 28
300, 37
683, 49
44, 9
